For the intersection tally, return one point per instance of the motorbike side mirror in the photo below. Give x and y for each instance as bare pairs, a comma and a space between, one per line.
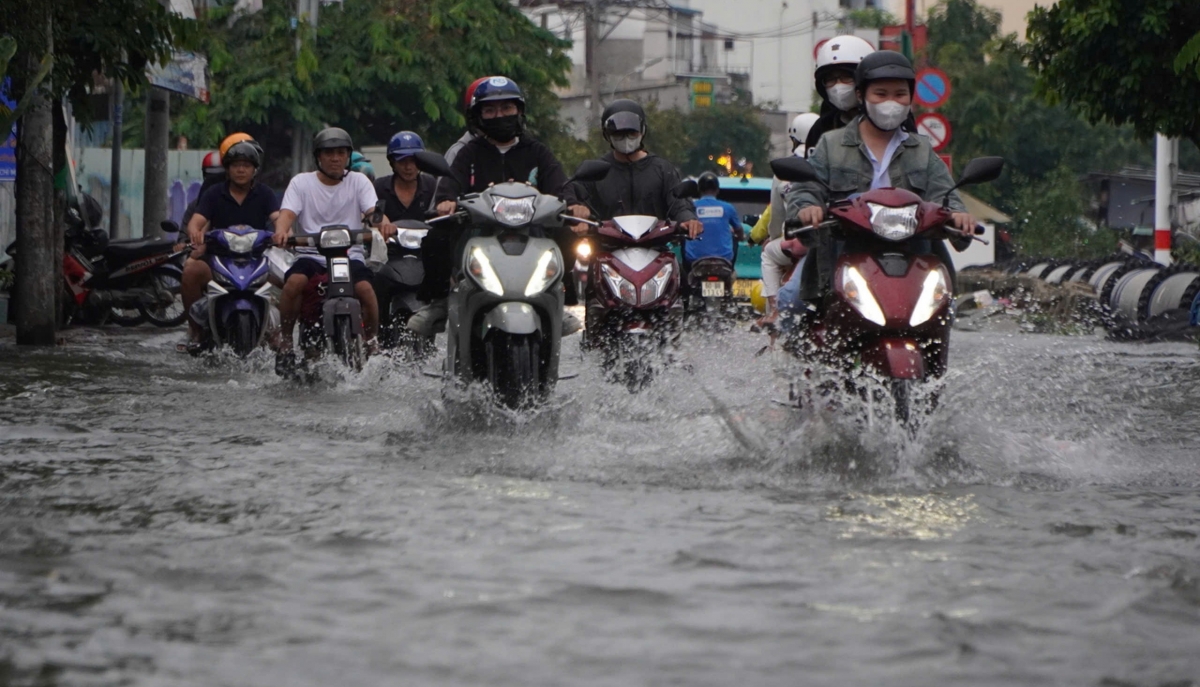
169, 226
432, 163
794, 168
981, 169
377, 214
751, 219
686, 189
591, 170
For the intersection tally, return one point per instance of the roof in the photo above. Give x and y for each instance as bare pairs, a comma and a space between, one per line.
981, 210
1183, 180
747, 183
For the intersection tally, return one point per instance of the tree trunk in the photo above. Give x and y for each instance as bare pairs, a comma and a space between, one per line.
36, 317
158, 127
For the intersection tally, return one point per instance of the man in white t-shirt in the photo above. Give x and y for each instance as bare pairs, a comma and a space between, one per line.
330, 195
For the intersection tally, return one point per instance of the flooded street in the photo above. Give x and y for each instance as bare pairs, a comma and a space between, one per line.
165, 521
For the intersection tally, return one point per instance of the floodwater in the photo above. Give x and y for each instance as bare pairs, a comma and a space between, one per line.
164, 521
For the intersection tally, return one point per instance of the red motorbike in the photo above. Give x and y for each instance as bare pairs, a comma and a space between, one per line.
879, 283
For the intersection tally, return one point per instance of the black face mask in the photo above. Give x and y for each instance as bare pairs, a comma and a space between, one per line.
501, 129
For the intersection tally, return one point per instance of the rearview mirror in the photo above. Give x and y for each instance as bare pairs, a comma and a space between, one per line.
169, 226
377, 215
981, 169
686, 189
591, 170
432, 163
794, 169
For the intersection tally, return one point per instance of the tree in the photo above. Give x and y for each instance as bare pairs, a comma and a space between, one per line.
964, 23
1048, 220
1114, 61
868, 18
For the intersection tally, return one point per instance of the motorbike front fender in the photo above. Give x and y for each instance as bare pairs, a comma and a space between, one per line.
896, 359
514, 318
341, 306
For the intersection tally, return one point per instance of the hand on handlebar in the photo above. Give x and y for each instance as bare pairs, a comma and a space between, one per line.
446, 207
387, 228
964, 222
693, 227
811, 215
281, 237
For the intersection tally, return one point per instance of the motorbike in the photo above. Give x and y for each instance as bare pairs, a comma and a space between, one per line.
396, 284
504, 323
632, 281
883, 298
337, 323
710, 287
237, 308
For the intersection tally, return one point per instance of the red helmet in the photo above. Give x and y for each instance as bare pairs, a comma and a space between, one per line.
469, 94
212, 164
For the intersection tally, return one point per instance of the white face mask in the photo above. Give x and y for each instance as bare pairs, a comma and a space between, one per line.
627, 145
842, 96
887, 115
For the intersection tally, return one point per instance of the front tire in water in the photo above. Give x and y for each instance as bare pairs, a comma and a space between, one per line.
347, 345
243, 333
513, 367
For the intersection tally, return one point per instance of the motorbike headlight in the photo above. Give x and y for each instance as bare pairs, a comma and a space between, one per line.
619, 285
480, 269
545, 272
583, 250
411, 238
653, 289
514, 211
335, 238
855, 288
894, 224
240, 243
933, 294
219, 275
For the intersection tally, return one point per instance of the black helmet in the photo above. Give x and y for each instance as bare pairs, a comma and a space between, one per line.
490, 90
708, 183
623, 115
242, 151
332, 137
884, 64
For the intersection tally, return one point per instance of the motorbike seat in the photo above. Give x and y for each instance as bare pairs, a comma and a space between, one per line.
127, 250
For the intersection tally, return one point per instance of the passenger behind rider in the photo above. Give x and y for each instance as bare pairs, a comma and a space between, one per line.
407, 192
328, 196
873, 151
360, 164
722, 228
501, 152
240, 200
470, 134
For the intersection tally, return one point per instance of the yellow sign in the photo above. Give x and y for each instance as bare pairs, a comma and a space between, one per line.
702, 87
702, 101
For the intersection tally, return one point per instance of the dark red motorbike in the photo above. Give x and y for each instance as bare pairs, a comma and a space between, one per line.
879, 283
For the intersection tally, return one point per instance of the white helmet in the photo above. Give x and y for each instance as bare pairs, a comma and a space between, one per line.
843, 52
801, 125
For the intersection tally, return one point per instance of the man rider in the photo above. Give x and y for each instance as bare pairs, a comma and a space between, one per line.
407, 192
330, 195
501, 152
721, 225
873, 151
240, 200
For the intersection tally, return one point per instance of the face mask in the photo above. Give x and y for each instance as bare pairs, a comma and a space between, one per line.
888, 115
501, 129
842, 96
627, 145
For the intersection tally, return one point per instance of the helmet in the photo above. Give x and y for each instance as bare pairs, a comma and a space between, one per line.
242, 151
495, 88
231, 139
404, 144
470, 93
839, 52
884, 64
801, 125
332, 137
623, 115
359, 163
708, 183
212, 164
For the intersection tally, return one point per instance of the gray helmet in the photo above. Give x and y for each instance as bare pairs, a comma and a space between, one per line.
332, 137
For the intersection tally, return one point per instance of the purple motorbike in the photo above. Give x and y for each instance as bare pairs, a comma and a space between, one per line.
236, 309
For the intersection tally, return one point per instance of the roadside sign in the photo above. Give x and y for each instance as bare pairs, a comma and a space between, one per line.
933, 87
8, 147
936, 127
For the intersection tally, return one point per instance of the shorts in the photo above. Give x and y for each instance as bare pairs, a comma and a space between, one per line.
311, 268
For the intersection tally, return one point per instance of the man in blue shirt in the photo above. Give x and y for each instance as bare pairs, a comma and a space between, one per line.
721, 225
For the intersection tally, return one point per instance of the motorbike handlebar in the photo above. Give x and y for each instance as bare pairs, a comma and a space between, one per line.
357, 238
460, 215
572, 218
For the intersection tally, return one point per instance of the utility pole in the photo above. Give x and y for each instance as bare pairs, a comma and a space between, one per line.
1166, 167
35, 313
158, 128
301, 145
591, 31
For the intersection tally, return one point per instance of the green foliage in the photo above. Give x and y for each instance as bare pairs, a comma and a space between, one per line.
1116, 61
869, 18
1190, 54
963, 23
1048, 220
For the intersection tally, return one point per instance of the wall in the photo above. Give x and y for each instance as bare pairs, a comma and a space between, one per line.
94, 167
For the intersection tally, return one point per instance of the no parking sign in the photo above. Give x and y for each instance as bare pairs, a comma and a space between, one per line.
936, 127
933, 88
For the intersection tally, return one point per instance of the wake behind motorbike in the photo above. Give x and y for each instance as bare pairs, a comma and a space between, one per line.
237, 308
883, 293
396, 284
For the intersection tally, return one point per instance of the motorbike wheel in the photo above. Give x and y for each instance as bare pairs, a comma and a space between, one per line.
243, 333
126, 317
347, 344
513, 368
902, 397
171, 315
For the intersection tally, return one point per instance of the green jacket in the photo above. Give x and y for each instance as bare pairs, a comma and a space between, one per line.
842, 161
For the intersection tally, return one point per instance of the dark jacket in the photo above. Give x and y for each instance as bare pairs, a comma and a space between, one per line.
637, 188
480, 164
421, 202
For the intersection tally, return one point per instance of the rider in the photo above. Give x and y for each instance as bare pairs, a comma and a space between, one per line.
469, 135
330, 195
501, 152
721, 224
240, 200
407, 192
837, 58
212, 173
359, 163
873, 151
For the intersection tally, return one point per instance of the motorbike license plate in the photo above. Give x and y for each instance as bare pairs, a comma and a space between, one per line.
712, 289
742, 288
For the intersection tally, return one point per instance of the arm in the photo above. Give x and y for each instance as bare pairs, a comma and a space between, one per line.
760, 232
940, 182
811, 194
451, 187
283, 226
551, 177
196, 228
678, 209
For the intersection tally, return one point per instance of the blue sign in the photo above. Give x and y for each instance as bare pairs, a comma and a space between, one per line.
933, 87
8, 151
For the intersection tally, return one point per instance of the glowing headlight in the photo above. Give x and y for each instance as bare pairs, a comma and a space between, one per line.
933, 295
240, 243
335, 238
514, 211
653, 289
545, 272
480, 269
894, 224
854, 286
583, 250
619, 285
